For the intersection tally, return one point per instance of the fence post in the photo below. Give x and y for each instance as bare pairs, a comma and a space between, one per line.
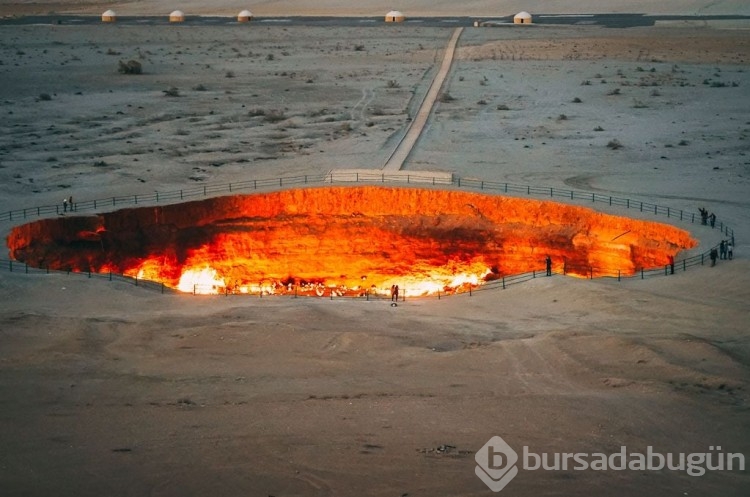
162, 287
591, 272
533, 273
230, 190
136, 280
135, 198
110, 276
27, 269
641, 206
627, 203
618, 275
503, 282
469, 289
157, 193
684, 264
701, 259
438, 294
10, 266
641, 273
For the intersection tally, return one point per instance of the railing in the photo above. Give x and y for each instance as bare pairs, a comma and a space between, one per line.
417, 178
420, 179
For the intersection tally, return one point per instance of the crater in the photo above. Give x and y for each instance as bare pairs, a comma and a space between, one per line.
349, 240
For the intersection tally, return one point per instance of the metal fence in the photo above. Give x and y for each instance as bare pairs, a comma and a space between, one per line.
416, 179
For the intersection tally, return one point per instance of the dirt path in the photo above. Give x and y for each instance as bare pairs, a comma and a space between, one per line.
396, 160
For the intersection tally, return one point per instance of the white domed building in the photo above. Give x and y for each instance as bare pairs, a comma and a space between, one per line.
394, 16
177, 16
109, 16
522, 18
244, 16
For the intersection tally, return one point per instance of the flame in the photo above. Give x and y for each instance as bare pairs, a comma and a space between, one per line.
353, 240
201, 281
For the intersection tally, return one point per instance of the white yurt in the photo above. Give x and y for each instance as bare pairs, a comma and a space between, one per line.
109, 16
176, 16
522, 18
244, 16
394, 16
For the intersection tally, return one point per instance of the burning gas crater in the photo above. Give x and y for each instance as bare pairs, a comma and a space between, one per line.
346, 241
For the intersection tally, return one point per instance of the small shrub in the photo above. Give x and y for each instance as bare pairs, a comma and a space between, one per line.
614, 144
200, 88
359, 47
639, 104
482, 102
502, 107
586, 82
655, 93
598, 128
270, 57
577, 100
274, 116
130, 67
562, 117
392, 83
615, 91
44, 97
257, 112
171, 92
112, 52
229, 74
683, 143
446, 97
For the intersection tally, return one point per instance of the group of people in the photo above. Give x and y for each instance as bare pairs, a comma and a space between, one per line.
68, 202
725, 251
707, 218
394, 293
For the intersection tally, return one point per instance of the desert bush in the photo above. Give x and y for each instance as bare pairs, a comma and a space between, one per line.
446, 97
200, 87
639, 104
172, 91
577, 100
270, 57
359, 47
598, 128
274, 116
482, 102
655, 93
683, 143
229, 74
614, 144
615, 91
586, 82
502, 107
392, 83
111, 51
130, 67
44, 97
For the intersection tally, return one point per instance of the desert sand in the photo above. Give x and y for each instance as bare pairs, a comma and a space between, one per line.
111, 389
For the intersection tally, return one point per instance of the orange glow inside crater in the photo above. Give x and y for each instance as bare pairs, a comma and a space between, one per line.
347, 241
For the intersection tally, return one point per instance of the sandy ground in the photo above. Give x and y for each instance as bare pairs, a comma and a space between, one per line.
108, 389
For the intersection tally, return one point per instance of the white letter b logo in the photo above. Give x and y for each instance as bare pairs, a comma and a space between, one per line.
496, 464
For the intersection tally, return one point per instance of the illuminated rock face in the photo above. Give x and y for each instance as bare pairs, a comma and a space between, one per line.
353, 239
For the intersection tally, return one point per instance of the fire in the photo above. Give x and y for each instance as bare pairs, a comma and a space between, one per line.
203, 281
353, 240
